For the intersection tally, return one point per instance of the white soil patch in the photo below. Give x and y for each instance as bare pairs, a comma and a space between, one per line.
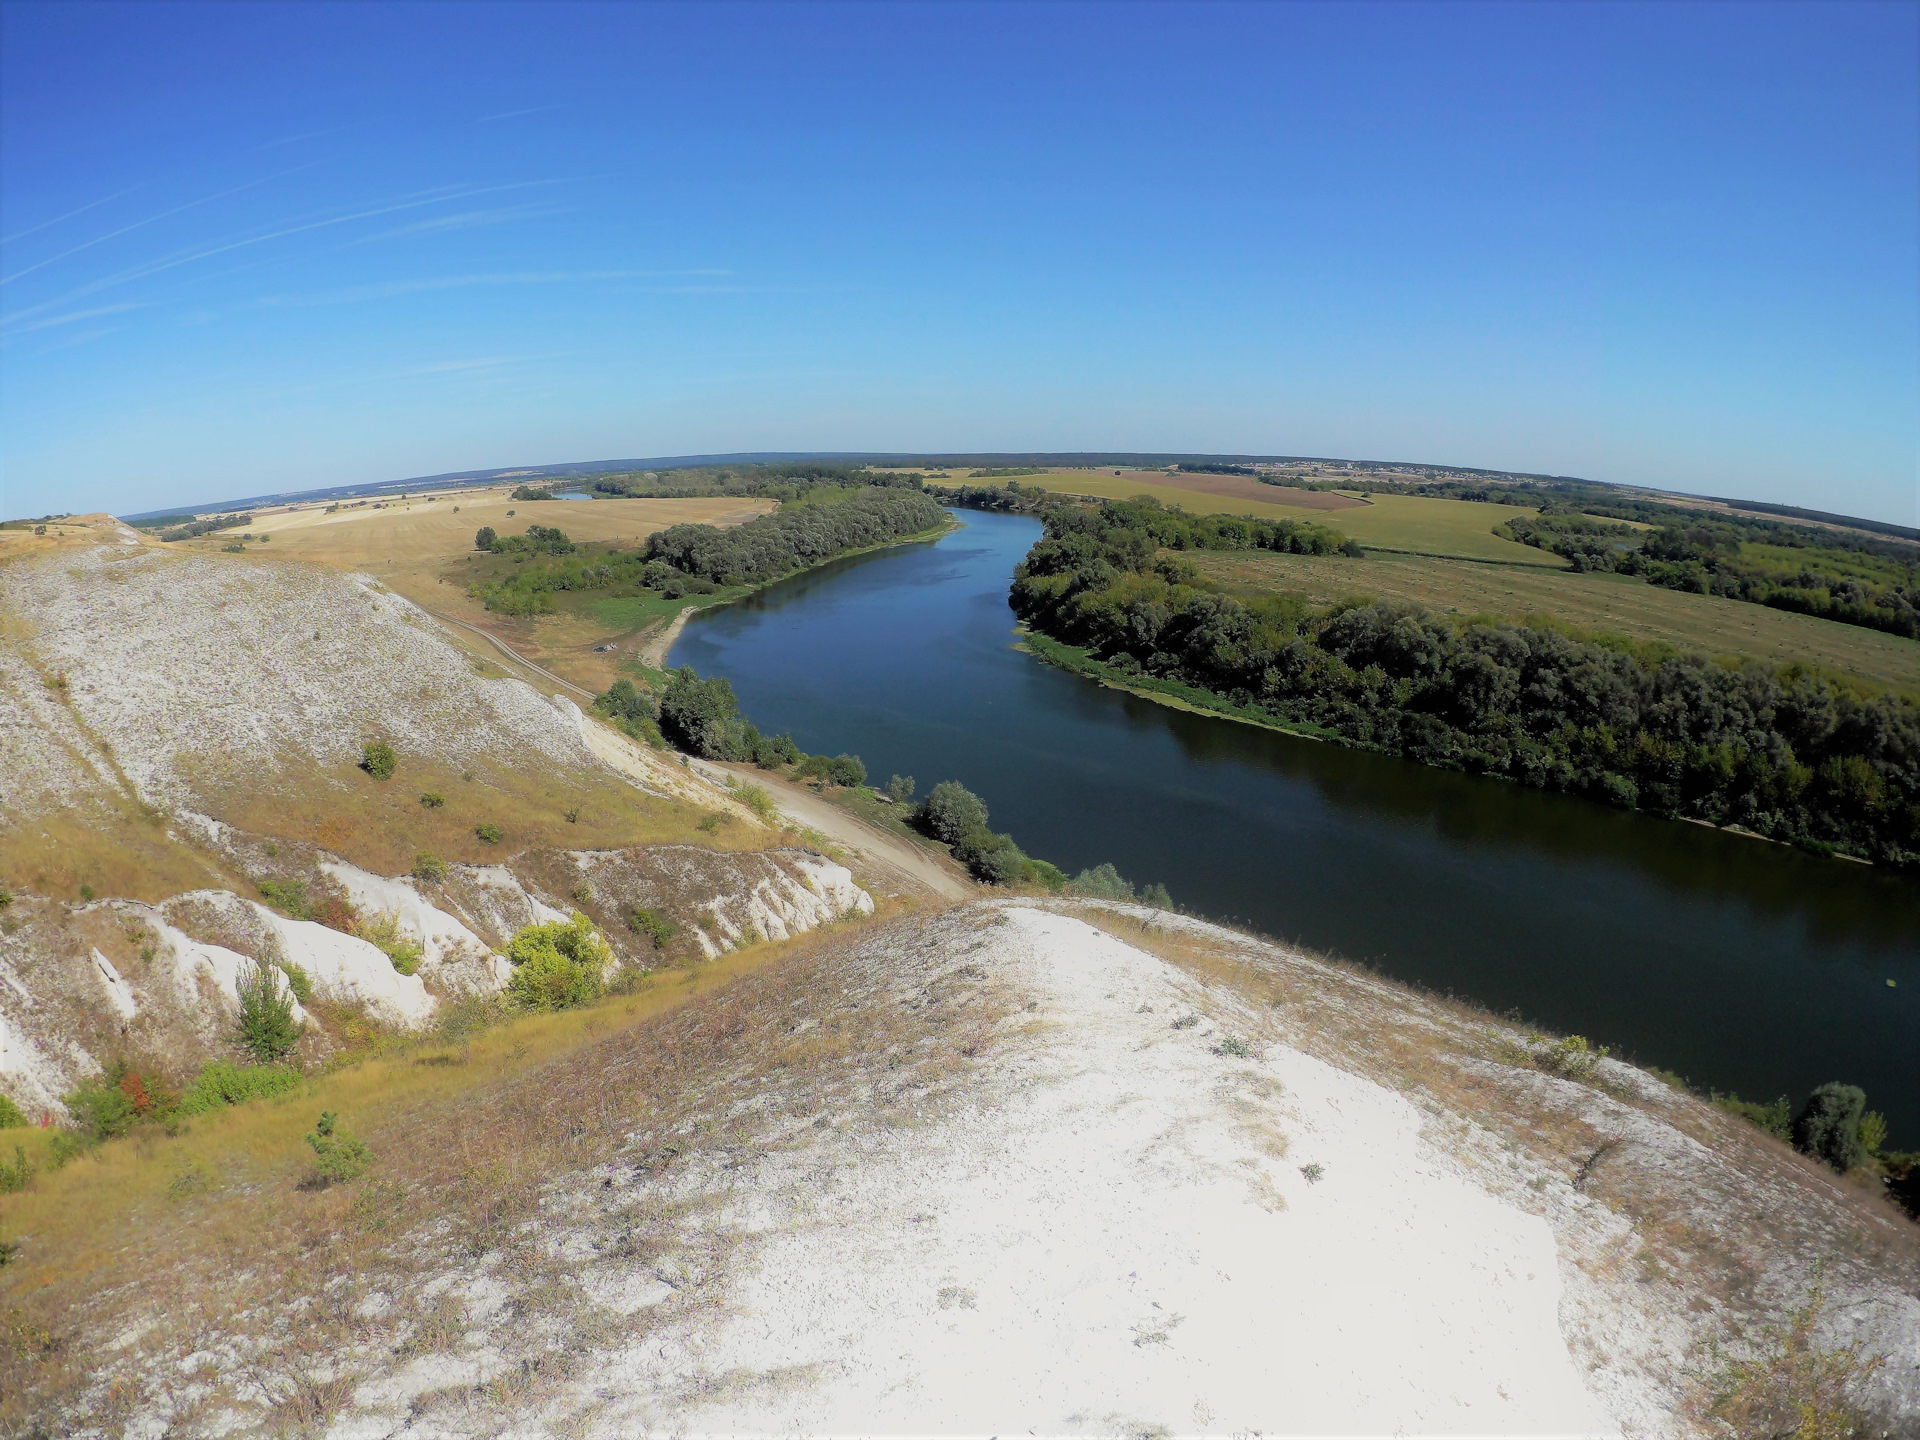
1130, 1232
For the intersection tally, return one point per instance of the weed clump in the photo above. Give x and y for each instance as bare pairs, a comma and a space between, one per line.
652, 924
383, 933
557, 966
430, 868
337, 1156
488, 833
17, 1173
289, 897
431, 799
10, 1116
1792, 1388
378, 760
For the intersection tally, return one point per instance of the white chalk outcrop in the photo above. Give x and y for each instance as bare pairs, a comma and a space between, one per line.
1122, 1230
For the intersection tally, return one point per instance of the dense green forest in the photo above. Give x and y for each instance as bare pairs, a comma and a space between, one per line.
789, 481
1789, 755
699, 559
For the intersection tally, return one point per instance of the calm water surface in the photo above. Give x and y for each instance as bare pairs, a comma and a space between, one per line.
1745, 966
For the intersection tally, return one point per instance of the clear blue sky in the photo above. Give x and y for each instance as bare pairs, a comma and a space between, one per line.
257, 247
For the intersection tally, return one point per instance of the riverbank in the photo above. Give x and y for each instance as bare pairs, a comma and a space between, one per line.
1767, 967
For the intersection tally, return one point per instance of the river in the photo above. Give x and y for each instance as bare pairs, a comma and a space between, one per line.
1745, 966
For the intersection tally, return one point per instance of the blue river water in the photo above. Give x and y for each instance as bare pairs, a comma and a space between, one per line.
1746, 967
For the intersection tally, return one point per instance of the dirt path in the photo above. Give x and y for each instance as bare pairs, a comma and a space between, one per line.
894, 855
509, 652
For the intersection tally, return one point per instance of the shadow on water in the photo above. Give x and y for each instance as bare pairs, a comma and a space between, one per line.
1744, 965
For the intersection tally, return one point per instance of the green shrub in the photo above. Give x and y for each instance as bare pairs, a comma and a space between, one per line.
951, 812
337, 1156
298, 981
10, 1116
378, 760
429, 867
488, 832
1571, 1058
431, 799
1827, 1127
558, 965
289, 897
1156, 895
847, 770
17, 1173
632, 710
100, 1109
1776, 1119
6, 897
1102, 882
702, 716
1873, 1131
484, 537
900, 789
222, 1083
266, 1028
758, 801
991, 859
653, 925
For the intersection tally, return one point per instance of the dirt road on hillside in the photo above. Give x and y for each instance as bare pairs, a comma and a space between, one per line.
892, 854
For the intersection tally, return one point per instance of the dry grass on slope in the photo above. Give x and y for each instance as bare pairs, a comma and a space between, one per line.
198, 1284
136, 681
1705, 1234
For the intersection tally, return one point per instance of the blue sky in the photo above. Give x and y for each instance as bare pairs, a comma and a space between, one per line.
261, 247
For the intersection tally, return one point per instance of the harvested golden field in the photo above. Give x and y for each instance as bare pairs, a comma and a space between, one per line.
1616, 604
407, 536
422, 548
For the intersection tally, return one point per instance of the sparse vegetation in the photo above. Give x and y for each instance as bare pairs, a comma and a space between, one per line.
1793, 1388
383, 933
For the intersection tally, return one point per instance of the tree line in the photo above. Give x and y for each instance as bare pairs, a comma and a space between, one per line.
1853, 579
699, 559
1790, 755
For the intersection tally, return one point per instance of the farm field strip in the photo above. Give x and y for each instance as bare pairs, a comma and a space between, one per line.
1612, 603
1415, 523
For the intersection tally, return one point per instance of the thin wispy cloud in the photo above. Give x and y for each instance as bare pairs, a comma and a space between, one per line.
307, 135
77, 316
516, 114
419, 200
62, 219
85, 337
393, 289
138, 224
466, 220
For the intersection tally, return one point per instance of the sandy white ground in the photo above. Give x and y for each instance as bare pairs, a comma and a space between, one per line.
1119, 1237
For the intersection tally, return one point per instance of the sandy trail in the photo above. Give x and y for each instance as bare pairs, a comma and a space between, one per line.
894, 856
